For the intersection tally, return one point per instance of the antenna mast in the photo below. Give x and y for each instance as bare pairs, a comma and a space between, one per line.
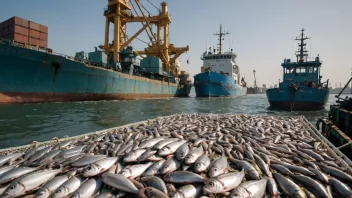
302, 50
221, 34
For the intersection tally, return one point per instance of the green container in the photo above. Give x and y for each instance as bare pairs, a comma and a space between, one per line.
98, 57
152, 64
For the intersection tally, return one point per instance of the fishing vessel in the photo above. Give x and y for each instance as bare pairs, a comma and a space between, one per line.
301, 87
220, 74
114, 70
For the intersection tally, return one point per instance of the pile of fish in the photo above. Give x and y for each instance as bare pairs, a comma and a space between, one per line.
182, 156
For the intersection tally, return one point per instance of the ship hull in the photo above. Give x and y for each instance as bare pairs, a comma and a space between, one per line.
211, 84
32, 76
304, 99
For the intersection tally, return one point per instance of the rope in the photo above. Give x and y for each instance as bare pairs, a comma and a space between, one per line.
154, 6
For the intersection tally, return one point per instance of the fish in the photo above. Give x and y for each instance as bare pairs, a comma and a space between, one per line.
253, 189
224, 182
155, 182
99, 166
314, 186
193, 155
187, 191
218, 166
68, 187
119, 182
289, 187
341, 188
202, 163
88, 188
49, 188
29, 182
183, 177
183, 156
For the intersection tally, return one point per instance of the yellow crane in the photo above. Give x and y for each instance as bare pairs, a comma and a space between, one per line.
122, 12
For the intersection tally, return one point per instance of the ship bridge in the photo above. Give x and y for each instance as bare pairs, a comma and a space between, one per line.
303, 71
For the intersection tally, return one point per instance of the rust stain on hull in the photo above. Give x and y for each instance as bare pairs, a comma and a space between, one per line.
61, 97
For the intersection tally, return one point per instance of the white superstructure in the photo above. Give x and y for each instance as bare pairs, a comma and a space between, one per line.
222, 64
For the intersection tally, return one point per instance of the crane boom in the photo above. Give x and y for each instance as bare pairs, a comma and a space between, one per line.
122, 12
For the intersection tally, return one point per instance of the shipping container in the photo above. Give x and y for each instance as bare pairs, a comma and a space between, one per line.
20, 38
25, 23
33, 41
34, 34
17, 38
43, 36
18, 29
44, 29
43, 44
34, 26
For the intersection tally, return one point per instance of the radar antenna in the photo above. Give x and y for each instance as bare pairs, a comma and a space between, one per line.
221, 34
302, 50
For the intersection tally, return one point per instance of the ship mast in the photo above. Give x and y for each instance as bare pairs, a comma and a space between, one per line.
302, 50
221, 34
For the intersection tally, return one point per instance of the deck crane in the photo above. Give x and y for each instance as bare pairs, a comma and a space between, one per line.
122, 12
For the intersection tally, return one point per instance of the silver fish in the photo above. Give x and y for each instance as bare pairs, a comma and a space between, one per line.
99, 166
182, 151
155, 182
193, 155
88, 188
68, 187
202, 163
250, 189
29, 182
135, 170
218, 166
188, 191
119, 182
224, 182
51, 186
289, 187
183, 177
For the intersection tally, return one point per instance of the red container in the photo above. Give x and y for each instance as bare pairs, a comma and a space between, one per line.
24, 23
33, 41
17, 21
43, 36
34, 34
20, 38
34, 26
44, 29
17, 38
43, 44
18, 29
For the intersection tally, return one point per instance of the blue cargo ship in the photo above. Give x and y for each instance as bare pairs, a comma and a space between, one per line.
37, 74
221, 74
301, 87
31, 75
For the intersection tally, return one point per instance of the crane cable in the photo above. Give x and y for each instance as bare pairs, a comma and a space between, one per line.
154, 6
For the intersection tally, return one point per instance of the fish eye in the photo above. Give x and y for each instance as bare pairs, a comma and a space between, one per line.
211, 183
12, 187
89, 168
215, 169
197, 165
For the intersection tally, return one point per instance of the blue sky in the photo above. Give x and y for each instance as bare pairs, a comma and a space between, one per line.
262, 32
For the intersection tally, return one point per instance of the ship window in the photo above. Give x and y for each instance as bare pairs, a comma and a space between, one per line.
303, 70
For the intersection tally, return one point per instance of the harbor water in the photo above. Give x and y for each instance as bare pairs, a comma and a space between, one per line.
23, 123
